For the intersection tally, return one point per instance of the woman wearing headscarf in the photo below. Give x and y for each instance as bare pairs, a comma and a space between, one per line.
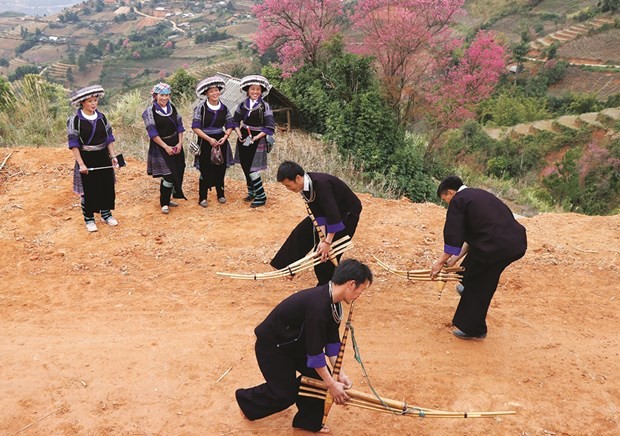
166, 158
91, 140
254, 124
212, 123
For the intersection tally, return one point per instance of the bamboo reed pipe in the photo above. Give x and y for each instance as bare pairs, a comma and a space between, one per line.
308, 262
319, 231
340, 246
361, 399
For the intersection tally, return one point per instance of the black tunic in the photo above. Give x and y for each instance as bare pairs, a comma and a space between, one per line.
98, 185
215, 123
292, 336
495, 240
337, 207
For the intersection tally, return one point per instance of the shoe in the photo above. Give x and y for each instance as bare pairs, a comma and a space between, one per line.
462, 335
222, 200
459, 289
257, 203
173, 204
91, 226
249, 198
203, 203
165, 209
111, 221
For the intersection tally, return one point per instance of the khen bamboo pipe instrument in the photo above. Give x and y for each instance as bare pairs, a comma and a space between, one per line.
338, 247
447, 274
318, 228
329, 400
315, 388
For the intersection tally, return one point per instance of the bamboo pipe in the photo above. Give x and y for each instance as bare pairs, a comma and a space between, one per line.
318, 228
356, 394
337, 364
341, 245
386, 405
303, 264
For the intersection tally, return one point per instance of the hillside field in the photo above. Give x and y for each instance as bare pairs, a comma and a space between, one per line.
130, 331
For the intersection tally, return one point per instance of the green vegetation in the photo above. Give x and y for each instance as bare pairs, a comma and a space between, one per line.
341, 100
34, 112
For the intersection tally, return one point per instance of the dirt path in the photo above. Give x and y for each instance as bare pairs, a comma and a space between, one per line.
128, 330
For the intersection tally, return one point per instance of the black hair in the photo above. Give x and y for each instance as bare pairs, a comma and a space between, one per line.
450, 182
352, 269
289, 170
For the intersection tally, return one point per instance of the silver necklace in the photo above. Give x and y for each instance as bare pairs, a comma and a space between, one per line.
312, 195
336, 307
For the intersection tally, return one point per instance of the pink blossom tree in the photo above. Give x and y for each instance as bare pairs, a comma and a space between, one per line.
405, 36
452, 92
297, 29
426, 73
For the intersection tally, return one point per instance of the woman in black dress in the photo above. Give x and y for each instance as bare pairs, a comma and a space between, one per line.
91, 140
212, 123
166, 158
254, 124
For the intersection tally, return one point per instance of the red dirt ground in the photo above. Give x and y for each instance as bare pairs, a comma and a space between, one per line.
129, 330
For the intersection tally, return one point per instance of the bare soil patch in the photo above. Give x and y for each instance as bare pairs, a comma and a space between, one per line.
602, 47
602, 84
127, 330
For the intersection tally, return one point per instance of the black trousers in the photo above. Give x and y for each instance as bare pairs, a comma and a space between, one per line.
302, 240
480, 281
279, 367
246, 157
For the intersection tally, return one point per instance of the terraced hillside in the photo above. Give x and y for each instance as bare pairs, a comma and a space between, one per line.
599, 120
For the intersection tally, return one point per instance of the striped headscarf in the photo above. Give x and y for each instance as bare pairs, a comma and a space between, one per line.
209, 82
85, 93
161, 88
255, 79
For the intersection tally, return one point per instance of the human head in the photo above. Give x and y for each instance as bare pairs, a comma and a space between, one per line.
350, 279
208, 83
81, 95
161, 89
448, 187
291, 175
255, 79
352, 269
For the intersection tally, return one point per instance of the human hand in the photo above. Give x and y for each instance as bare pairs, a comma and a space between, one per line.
345, 380
436, 268
323, 250
83, 168
115, 163
337, 392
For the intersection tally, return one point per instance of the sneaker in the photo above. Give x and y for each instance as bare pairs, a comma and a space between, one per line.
222, 200
165, 209
91, 226
203, 203
111, 221
173, 204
